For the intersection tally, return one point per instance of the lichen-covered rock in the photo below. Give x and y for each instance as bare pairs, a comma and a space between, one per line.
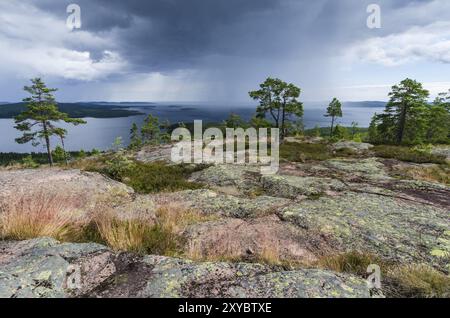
41, 267
80, 192
442, 150
87, 186
352, 145
293, 186
210, 202
254, 239
155, 153
46, 268
242, 280
243, 177
369, 168
393, 228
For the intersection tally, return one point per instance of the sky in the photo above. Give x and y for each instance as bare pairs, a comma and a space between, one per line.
219, 50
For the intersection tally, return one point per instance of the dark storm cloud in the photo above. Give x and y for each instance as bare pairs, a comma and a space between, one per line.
171, 34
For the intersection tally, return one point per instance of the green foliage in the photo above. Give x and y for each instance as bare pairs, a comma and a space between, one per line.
150, 130
235, 121
302, 152
280, 100
157, 177
405, 117
41, 113
75, 110
334, 110
135, 138
28, 162
357, 137
81, 154
118, 167
354, 129
95, 152
438, 120
407, 154
117, 145
59, 154
295, 128
258, 122
316, 131
145, 177
340, 133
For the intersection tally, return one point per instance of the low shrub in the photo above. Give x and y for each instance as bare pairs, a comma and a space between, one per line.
143, 177
407, 154
302, 152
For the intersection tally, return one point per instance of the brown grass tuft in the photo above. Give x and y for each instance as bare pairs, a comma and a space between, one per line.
28, 216
417, 281
351, 262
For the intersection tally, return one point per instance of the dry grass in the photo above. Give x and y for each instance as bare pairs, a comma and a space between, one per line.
227, 249
121, 235
40, 214
351, 262
436, 173
417, 281
28, 216
410, 281
144, 235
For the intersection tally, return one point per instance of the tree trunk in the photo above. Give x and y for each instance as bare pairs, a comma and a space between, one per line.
65, 153
47, 143
282, 123
401, 124
332, 126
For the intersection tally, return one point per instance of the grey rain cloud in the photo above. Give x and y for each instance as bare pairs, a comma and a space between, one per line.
227, 46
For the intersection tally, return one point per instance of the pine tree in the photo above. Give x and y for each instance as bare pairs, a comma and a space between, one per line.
404, 118
41, 113
334, 110
135, 138
373, 135
280, 100
150, 130
438, 120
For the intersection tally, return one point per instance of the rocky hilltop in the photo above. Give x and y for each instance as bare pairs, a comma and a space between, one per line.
253, 236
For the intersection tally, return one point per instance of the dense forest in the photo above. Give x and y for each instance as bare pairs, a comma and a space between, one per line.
75, 110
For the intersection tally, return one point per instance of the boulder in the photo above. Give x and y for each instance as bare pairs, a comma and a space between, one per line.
46, 268
369, 168
210, 202
352, 145
292, 186
262, 239
80, 192
399, 230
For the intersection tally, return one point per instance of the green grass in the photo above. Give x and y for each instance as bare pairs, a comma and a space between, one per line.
407, 154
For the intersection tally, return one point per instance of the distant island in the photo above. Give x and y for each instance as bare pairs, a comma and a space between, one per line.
76, 110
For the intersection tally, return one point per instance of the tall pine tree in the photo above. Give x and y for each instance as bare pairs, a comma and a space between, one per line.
404, 118
37, 122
